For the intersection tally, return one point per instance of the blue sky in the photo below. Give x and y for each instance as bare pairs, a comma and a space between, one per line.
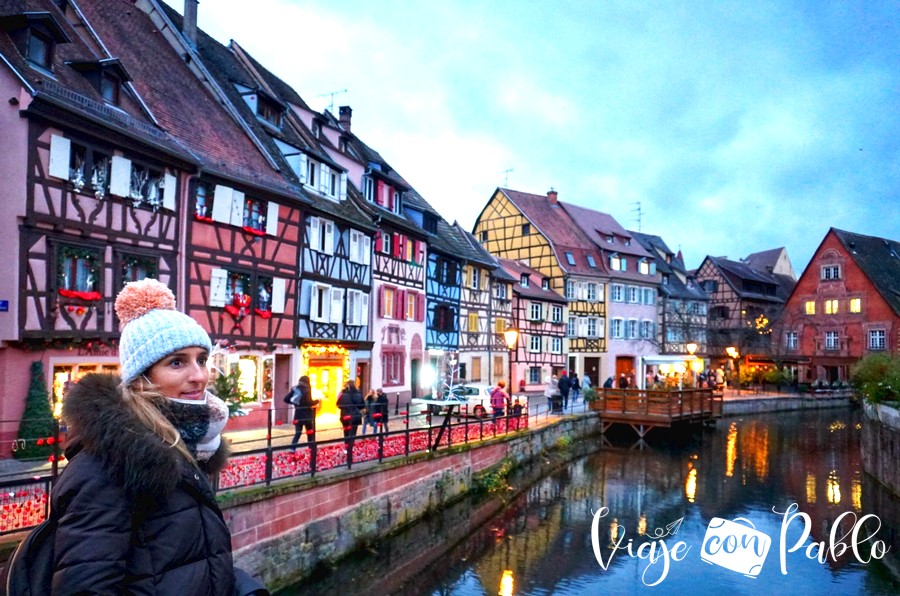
737, 126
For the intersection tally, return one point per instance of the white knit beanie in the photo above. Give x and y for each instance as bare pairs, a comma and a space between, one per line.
152, 328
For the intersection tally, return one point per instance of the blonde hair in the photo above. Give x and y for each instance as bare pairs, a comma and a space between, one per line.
146, 403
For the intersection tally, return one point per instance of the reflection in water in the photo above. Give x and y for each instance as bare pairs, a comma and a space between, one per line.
541, 542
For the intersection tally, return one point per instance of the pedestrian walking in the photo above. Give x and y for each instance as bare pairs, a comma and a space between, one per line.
134, 511
575, 390
300, 396
564, 385
350, 402
608, 383
552, 394
382, 410
369, 411
499, 399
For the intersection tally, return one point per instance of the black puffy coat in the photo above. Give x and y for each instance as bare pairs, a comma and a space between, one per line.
134, 516
351, 404
304, 411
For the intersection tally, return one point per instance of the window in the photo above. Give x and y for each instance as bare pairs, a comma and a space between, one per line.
109, 87
644, 267
856, 305
647, 329
396, 206
254, 219
570, 259
615, 263
500, 291
570, 327
556, 345
523, 280
650, 296
357, 308
412, 300
499, 325
617, 328
385, 246
631, 329
590, 324
317, 129
388, 296
831, 340
392, 366
321, 235
545, 283
484, 236
534, 375
331, 182
534, 343
591, 262
369, 189
709, 285
473, 322
719, 313
831, 307
570, 289
203, 202
830, 272
537, 311
591, 291
697, 308
617, 293
556, 313
360, 248
312, 170
665, 279
810, 307
268, 111
877, 339
791, 340
40, 49
444, 318
634, 294
526, 229
474, 277
136, 268
78, 271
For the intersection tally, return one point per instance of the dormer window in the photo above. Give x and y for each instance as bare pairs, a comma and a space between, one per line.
106, 76
316, 129
342, 145
570, 259
609, 239
266, 108
269, 112
545, 283
523, 280
35, 34
591, 262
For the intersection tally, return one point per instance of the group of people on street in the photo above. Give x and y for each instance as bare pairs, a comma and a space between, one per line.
373, 410
563, 387
502, 403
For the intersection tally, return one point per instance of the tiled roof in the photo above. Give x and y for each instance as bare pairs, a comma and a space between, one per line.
674, 270
68, 92
564, 235
764, 260
736, 273
879, 260
179, 100
483, 256
535, 280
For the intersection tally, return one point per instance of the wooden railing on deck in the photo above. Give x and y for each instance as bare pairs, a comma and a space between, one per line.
659, 408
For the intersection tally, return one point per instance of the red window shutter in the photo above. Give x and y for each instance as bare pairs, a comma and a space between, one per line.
381, 301
379, 237
398, 246
379, 192
389, 200
420, 307
399, 305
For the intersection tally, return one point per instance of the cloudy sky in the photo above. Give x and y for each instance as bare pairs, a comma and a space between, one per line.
735, 126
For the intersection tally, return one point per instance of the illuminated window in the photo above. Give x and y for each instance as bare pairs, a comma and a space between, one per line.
810, 307
473, 322
831, 307
387, 302
877, 339
856, 305
832, 341
411, 300
644, 267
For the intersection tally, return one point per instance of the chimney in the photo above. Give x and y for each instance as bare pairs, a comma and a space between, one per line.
345, 114
551, 194
189, 24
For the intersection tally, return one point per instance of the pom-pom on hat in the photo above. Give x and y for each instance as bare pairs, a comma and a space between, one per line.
152, 328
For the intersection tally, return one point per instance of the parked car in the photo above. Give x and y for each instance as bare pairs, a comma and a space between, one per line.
474, 399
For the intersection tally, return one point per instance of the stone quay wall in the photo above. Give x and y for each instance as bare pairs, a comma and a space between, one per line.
761, 405
880, 445
282, 533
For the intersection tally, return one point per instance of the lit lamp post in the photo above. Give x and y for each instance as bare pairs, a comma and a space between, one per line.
691, 350
511, 336
734, 355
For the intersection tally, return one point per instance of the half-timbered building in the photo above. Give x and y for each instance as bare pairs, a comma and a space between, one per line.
846, 305
541, 315
536, 231
95, 192
334, 237
745, 305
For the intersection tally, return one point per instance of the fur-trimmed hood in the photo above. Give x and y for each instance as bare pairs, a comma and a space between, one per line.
99, 423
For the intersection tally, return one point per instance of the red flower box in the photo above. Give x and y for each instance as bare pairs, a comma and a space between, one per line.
265, 314
253, 231
80, 295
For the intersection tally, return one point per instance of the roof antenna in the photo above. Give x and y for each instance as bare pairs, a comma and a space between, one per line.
638, 211
506, 177
331, 94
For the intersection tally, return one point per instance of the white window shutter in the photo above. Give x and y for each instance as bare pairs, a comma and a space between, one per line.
363, 310
354, 246
343, 189
120, 176
278, 291
314, 302
314, 232
237, 209
329, 237
218, 281
272, 219
303, 164
169, 184
221, 209
336, 312
324, 178
367, 250
60, 152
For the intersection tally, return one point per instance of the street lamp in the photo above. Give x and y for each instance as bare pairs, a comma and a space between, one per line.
735, 355
511, 336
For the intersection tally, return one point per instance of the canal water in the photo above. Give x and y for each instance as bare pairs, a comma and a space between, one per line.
765, 504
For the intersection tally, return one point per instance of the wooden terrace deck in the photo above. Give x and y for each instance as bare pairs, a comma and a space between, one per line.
644, 409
